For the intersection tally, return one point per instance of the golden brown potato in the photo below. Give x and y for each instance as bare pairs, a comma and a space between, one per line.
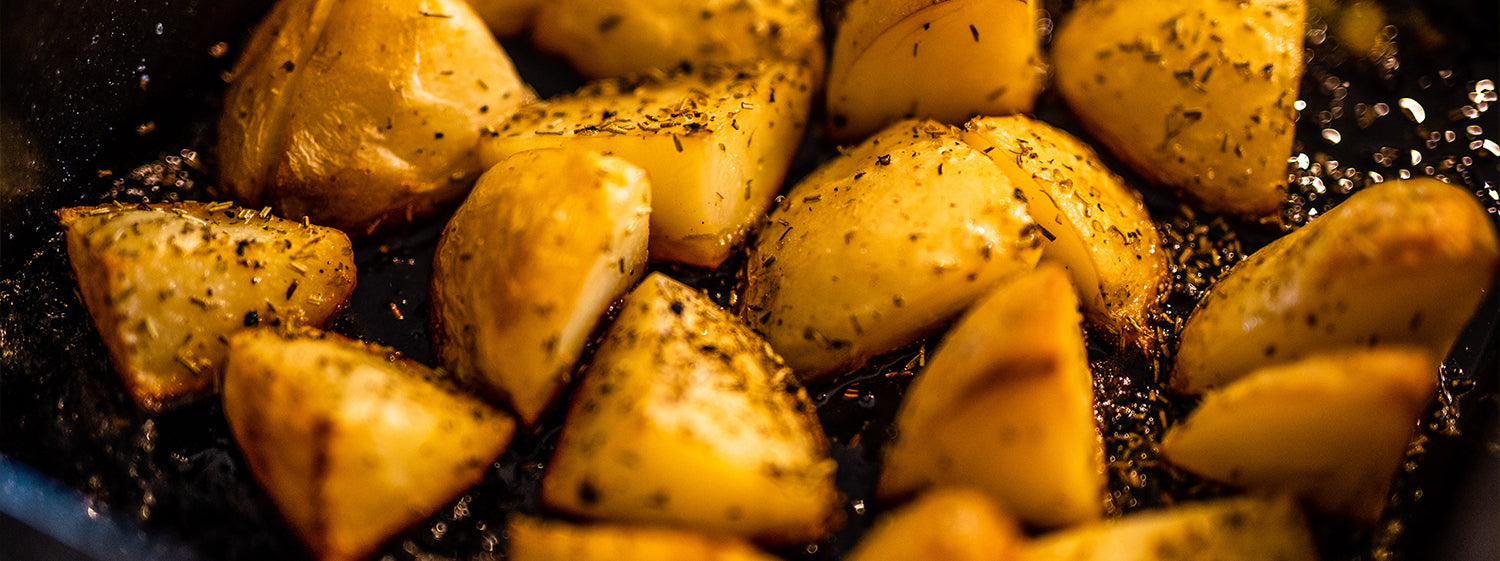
357, 113
1239, 529
167, 284
953, 524
1006, 405
880, 245
686, 418
716, 142
1092, 223
1401, 262
544, 244
1331, 428
947, 60
506, 18
352, 442
608, 38
533, 539
1194, 94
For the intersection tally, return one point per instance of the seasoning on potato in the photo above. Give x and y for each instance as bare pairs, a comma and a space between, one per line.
352, 442
952, 524
686, 418
547, 240
1235, 529
534, 539
362, 113
1196, 95
1403, 262
882, 244
716, 141
166, 284
945, 60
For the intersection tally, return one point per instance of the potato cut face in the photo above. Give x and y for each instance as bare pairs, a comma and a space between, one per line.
1094, 224
880, 245
948, 61
955, 524
526, 267
609, 38
352, 442
1196, 95
1331, 428
1401, 262
1239, 529
167, 284
357, 113
715, 141
686, 418
534, 539
1006, 405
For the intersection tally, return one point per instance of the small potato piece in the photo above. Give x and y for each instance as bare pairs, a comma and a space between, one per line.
686, 418
947, 60
166, 284
1239, 529
506, 18
953, 524
609, 38
1401, 262
546, 242
352, 442
882, 244
533, 539
716, 141
357, 113
1094, 224
1006, 405
1195, 94
1331, 428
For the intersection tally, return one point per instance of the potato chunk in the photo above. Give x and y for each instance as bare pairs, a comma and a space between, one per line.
1093, 223
609, 38
1331, 428
1241, 529
1006, 405
166, 285
546, 242
1403, 262
946, 60
954, 524
357, 113
1195, 94
533, 539
880, 245
716, 142
352, 442
506, 18
686, 418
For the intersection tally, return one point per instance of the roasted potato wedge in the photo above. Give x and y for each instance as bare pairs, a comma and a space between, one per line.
686, 418
506, 18
1092, 223
953, 524
534, 539
357, 113
1331, 428
609, 38
1400, 262
544, 244
1196, 95
716, 142
1238, 529
166, 285
1006, 405
947, 60
350, 441
882, 244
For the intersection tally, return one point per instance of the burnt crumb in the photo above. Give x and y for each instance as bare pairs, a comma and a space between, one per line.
252, 318
677, 307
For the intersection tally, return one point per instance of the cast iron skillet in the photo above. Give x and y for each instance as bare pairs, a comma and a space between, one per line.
116, 99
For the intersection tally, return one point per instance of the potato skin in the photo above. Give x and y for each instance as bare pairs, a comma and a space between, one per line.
534, 539
545, 243
1397, 262
166, 283
358, 113
880, 245
953, 524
